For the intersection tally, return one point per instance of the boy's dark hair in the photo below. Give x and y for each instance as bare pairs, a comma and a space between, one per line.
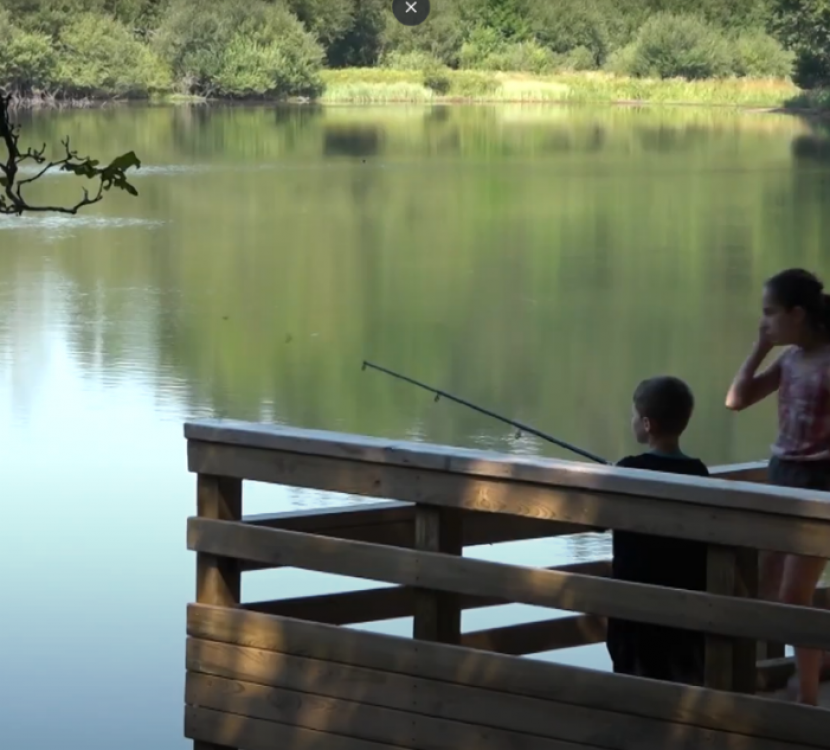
667, 401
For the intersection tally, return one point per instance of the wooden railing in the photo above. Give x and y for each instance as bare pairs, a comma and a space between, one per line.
448, 498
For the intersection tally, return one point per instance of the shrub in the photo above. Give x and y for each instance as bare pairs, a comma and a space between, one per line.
622, 61
440, 38
27, 62
472, 83
483, 42
437, 79
97, 55
669, 46
579, 59
570, 24
413, 60
758, 55
240, 49
486, 50
525, 57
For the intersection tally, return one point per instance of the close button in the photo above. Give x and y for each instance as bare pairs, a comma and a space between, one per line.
410, 12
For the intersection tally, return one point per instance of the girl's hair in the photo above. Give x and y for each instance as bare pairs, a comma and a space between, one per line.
796, 287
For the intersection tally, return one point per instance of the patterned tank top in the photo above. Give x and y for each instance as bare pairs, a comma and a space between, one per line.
804, 406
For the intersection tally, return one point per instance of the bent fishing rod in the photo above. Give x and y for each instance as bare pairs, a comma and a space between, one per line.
520, 426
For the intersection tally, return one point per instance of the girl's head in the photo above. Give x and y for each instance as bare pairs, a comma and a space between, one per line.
795, 310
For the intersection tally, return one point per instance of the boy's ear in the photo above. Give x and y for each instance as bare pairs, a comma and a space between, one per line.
646, 424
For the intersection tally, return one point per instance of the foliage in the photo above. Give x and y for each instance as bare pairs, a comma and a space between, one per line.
97, 55
12, 199
669, 46
276, 48
758, 55
27, 62
236, 48
803, 26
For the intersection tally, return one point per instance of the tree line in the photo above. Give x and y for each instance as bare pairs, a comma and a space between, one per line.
77, 49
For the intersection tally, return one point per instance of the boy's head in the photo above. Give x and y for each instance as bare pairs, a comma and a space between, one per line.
662, 408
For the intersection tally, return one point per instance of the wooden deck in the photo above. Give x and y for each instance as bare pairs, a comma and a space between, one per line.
286, 673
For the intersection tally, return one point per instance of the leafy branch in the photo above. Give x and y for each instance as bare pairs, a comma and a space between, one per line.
12, 199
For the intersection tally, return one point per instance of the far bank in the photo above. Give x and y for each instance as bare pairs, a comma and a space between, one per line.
384, 85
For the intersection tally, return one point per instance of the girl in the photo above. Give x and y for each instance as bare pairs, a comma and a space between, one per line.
795, 314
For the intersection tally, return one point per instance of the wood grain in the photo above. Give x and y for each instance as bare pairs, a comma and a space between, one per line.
722, 615
681, 519
721, 493
679, 704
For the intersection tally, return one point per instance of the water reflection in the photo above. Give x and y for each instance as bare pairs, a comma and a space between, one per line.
536, 260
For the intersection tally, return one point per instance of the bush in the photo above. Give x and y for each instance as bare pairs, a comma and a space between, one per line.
98, 56
579, 59
232, 48
483, 42
437, 79
622, 61
469, 84
440, 38
758, 55
486, 50
669, 46
27, 62
570, 24
525, 57
413, 60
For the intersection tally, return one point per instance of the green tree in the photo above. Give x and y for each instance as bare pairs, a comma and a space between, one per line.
362, 43
803, 26
27, 62
236, 48
98, 56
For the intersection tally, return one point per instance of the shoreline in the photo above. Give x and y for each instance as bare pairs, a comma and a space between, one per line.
381, 86
811, 112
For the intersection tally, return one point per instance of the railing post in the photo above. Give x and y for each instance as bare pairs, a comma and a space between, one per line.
218, 579
437, 613
731, 662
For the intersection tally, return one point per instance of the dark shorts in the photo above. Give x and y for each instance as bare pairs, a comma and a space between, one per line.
805, 475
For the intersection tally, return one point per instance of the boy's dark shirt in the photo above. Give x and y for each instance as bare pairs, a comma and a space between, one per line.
654, 650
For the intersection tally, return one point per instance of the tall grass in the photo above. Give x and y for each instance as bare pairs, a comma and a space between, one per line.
378, 85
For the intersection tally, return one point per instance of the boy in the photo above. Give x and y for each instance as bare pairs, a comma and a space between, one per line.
662, 407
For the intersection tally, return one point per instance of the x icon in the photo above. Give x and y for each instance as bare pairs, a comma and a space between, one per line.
410, 7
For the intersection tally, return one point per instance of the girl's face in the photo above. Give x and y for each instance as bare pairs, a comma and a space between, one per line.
781, 326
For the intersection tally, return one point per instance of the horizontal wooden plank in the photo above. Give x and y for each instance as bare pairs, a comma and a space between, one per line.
719, 493
537, 637
514, 676
753, 471
380, 523
371, 605
328, 520
356, 719
744, 528
723, 615
230, 730
438, 699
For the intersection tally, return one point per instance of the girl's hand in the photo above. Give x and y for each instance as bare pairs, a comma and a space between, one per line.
764, 343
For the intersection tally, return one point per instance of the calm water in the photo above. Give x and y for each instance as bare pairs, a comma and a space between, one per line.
536, 260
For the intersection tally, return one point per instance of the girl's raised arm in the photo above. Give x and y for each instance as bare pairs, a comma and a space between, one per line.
749, 388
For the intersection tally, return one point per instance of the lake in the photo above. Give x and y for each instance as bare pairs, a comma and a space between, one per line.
537, 260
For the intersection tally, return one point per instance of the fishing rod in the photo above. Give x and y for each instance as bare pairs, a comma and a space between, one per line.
520, 426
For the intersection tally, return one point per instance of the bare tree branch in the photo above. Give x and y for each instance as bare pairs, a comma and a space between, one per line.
12, 200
